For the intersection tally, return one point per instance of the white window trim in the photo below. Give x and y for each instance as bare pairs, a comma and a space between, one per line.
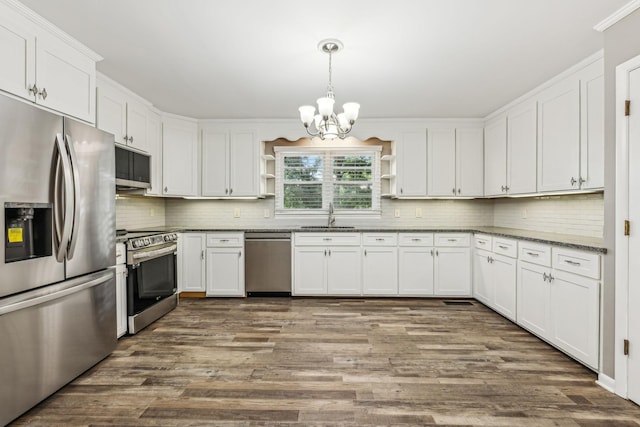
375, 210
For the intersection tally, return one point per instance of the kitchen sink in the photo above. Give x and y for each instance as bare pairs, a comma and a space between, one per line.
326, 227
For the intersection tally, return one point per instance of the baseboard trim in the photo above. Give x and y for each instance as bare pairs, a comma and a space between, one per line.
606, 383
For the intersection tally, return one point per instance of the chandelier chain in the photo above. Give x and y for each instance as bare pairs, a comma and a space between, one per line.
330, 87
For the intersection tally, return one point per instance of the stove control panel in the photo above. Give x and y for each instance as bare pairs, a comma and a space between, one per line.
149, 241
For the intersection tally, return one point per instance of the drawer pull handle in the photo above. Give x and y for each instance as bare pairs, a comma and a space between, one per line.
482, 242
533, 254
326, 239
416, 240
503, 247
224, 240
452, 240
379, 239
577, 264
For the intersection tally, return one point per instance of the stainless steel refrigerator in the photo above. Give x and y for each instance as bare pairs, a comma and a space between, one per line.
57, 280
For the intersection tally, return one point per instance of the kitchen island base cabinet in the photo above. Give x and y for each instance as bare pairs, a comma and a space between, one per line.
380, 271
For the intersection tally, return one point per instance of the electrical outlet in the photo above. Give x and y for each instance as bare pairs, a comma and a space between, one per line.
418, 212
266, 213
524, 214
397, 213
152, 212
236, 212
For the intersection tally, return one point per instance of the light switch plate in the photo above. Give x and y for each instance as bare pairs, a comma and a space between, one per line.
266, 213
418, 212
524, 214
397, 213
236, 212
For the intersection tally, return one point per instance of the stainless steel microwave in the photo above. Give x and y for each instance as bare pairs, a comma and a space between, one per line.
133, 169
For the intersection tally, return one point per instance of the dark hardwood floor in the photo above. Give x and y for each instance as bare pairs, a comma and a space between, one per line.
351, 362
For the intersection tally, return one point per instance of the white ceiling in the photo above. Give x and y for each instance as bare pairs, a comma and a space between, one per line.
401, 58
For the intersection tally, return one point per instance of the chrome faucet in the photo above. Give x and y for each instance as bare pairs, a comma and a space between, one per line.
332, 217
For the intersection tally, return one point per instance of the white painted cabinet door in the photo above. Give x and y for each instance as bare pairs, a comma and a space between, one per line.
452, 272
17, 50
483, 281
154, 138
495, 157
67, 76
441, 162
592, 126
215, 163
411, 169
121, 300
343, 271
504, 282
533, 294
469, 165
179, 158
522, 149
191, 262
225, 272
559, 137
137, 126
415, 271
309, 270
112, 112
243, 164
576, 316
380, 270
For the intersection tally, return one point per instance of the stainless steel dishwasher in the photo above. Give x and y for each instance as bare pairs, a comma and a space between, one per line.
267, 263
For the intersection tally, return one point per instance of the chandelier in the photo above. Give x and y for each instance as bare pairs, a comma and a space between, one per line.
326, 124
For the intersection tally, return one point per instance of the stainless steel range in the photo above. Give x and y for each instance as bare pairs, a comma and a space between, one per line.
151, 278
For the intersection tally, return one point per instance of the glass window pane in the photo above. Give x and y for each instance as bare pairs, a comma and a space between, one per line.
303, 168
349, 196
303, 196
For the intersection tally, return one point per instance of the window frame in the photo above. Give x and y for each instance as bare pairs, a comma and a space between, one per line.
328, 182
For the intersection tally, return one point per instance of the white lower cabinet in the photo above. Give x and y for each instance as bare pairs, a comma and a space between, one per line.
121, 290
415, 271
191, 262
380, 270
343, 271
452, 271
310, 271
327, 270
504, 282
483, 283
561, 306
225, 265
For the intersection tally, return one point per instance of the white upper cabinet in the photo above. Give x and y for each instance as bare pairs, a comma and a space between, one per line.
495, 157
469, 166
455, 162
411, 169
122, 115
559, 136
230, 163
592, 126
179, 157
46, 66
521, 148
441, 162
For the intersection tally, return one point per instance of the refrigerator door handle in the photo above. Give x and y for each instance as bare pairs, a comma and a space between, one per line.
63, 220
73, 238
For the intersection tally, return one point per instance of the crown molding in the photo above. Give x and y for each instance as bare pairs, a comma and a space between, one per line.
617, 16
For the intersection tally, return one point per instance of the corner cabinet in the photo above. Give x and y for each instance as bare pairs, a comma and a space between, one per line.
179, 157
45, 68
230, 163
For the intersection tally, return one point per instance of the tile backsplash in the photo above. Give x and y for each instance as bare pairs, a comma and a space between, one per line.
572, 214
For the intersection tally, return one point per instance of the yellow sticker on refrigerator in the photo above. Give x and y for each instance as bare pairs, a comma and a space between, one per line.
14, 235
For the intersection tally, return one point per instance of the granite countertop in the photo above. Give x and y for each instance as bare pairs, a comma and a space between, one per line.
592, 244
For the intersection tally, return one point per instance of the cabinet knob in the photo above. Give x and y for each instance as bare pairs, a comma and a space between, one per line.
226, 191
230, 190
202, 254
437, 254
329, 252
43, 93
544, 276
573, 181
453, 190
401, 190
239, 254
502, 188
131, 139
506, 188
459, 191
365, 252
33, 90
581, 180
166, 189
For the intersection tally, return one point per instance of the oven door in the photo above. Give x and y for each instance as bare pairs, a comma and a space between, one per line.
151, 279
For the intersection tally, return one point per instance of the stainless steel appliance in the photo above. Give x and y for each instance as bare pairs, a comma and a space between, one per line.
267, 263
133, 169
57, 282
151, 278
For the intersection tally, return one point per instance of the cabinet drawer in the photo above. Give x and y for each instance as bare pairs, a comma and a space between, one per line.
327, 239
452, 239
234, 240
578, 262
506, 247
379, 239
535, 253
121, 253
415, 239
482, 241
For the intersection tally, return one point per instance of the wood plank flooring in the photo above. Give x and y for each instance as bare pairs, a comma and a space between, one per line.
346, 362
